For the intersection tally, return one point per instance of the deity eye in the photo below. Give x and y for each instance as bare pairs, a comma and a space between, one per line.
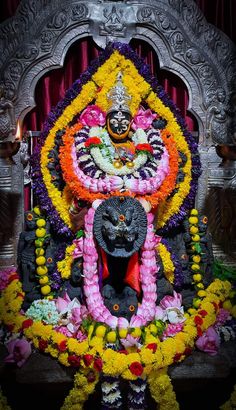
116, 307
131, 308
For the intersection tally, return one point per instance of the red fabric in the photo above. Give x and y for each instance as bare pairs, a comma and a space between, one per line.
132, 274
105, 271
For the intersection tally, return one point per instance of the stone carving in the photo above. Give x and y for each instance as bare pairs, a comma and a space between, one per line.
116, 20
59, 21
79, 12
7, 117
217, 117
145, 14
113, 24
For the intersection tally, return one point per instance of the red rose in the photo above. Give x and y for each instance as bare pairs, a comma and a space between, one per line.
198, 320
62, 346
92, 141
187, 351
199, 331
144, 147
74, 360
27, 323
88, 358
136, 368
203, 313
43, 344
152, 346
91, 377
177, 356
98, 364
13, 277
123, 351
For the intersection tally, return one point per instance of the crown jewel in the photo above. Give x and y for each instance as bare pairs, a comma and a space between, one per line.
118, 97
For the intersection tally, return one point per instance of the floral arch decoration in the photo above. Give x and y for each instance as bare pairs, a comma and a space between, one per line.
75, 166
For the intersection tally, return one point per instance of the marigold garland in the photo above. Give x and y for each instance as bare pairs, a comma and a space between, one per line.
162, 390
87, 94
168, 265
80, 192
117, 62
64, 266
114, 363
84, 384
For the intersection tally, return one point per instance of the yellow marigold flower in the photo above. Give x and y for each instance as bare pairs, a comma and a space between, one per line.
53, 352
193, 229
63, 359
147, 357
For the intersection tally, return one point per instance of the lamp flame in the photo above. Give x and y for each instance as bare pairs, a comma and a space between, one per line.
18, 132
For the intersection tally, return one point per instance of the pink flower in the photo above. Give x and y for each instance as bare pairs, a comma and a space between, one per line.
4, 277
130, 341
62, 303
122, 323
171, 301
78, 251
92, 116
222, 316
19, 351
143, 119
172, 329
136, 321
209, 342
160, 313
112, 321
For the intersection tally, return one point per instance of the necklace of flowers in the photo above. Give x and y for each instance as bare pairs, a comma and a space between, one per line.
115, 182
111, 186
104, 162
148, 270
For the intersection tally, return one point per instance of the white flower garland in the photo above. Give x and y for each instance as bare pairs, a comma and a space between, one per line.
103, 157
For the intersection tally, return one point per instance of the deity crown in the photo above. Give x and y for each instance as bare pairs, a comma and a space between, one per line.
118, 97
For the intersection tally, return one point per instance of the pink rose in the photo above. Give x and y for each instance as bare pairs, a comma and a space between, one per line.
93, 116
143, 119
209, 342
19, 351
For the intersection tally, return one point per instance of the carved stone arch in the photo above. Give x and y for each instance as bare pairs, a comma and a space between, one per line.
36, 39
192, 84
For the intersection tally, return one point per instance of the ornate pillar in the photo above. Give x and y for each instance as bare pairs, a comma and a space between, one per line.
11, 184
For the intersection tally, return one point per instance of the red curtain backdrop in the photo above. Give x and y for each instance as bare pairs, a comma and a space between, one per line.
52, 86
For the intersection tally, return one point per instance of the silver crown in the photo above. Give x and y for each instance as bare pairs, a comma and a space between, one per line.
118, 97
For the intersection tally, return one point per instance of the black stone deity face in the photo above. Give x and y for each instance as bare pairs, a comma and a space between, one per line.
120, 226
118, 125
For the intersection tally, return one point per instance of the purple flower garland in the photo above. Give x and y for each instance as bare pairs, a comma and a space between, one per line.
144, 70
